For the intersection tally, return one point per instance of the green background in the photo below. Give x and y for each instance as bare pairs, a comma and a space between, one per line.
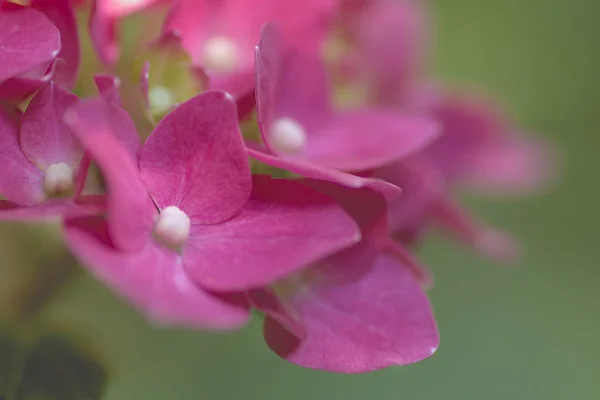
507, 333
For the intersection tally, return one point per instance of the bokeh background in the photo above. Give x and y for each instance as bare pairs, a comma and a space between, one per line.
529, 332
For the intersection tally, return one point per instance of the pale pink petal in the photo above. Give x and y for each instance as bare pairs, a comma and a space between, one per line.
152, 279
514, 166
28, 39
45, 139
61, 13
130, 209
21, 182
195, 160
382, 320
369, 138
283, 228
121, 8
313, 171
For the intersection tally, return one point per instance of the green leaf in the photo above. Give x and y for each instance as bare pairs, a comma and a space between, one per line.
52, 367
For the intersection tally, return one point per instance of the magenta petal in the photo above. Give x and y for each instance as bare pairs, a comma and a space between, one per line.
28, 39
130, 209
289, 84
369, 210
313, 171
195, 160
103, 31
21, 182
61, 13
152, 279
49, 210
45, 138
365, 139
21, 87
391, 36
382, 320
457, 222
283, 228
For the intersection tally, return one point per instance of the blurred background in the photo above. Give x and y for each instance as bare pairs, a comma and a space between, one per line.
529, 332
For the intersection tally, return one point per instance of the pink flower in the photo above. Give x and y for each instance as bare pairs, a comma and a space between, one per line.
302, 133
220, 36
389, 39
40, 43
43, 169
357, 311
426, 201
186, 217
298, 121
481, 148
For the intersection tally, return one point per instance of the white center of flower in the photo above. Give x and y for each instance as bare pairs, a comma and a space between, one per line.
58, 179
161, 99
220, 54
287, 136
173, 226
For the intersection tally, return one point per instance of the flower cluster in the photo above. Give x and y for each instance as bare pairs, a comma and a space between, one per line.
304, 155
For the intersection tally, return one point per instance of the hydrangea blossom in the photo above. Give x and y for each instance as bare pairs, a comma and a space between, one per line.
181, 227
44, 169
187, 200
39, 43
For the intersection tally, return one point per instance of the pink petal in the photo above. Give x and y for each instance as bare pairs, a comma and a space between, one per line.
313, 171
267, 301
28, 39
19, 88
515, 166
406, 258
49, 210
457, 222
61, 13
283, 228
121, 8
382, 320
104, 35
289, 83
45, 138
369, 210
152, 279
305, 22
421, 186
369, 138
108, 86
391, 39
195, 160
130, 209
20, 182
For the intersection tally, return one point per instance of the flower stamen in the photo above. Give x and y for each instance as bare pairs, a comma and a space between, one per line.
287, 136
58, 180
